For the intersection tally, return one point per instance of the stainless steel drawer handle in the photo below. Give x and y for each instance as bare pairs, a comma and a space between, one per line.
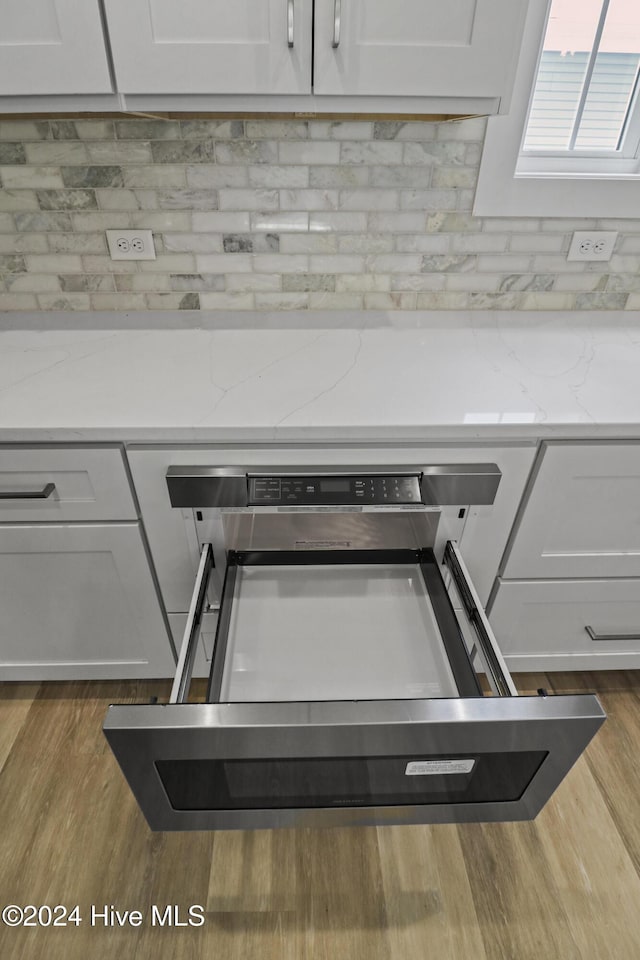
337, 16
43, 494
290, 23
611, 636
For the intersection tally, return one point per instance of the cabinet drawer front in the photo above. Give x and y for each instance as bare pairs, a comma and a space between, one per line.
582, 518
550, 619
88, 484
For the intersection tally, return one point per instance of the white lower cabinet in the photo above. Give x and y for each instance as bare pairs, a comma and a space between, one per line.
78, 602
568, 624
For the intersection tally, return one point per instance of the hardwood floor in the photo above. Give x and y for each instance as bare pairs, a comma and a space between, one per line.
564, 887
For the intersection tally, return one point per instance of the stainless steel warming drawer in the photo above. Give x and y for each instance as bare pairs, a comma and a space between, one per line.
346, 687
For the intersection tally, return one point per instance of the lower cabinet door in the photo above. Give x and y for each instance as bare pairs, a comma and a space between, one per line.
77, 601
568, 624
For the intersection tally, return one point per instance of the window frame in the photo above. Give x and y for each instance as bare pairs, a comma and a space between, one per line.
586, 187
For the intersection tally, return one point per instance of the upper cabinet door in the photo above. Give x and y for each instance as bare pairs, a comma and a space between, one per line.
211, 46
424, 48
52, 47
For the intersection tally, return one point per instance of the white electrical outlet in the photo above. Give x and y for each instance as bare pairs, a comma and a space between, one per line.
131, 245
592, 245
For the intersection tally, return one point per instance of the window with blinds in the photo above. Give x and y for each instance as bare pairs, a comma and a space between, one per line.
585, 102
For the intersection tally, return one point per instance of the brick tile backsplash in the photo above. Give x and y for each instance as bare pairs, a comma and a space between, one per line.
281, 215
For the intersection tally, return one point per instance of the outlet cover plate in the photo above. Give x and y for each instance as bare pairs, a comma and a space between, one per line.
592, 245
131, 245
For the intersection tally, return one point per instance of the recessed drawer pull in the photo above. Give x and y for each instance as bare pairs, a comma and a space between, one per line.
289, 23
43, 494
337, 17
611, 636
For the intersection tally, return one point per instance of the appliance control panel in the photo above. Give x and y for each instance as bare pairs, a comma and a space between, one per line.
365, 489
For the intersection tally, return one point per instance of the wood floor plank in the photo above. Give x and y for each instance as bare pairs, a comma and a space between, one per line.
253, 871
15, 702
428, 900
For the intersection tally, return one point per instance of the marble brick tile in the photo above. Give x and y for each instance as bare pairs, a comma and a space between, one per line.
84, 243
309, 200
32, 283
88, 222
142, 282
67, 199
418, 282
95, 129
310, 243
442, 300
7, 223
63, 129
280, 263
104, 264
396, 222
447, 152
330, 177
472, 282
12, 263
20, 130
508, 264
480, 242
224, 263
183, 151
227, 301
282, 301
428, 200
12, 243
309, 152
582, 282
339, 221
147, 129
423, 243
340, 263
223, 222
27, 177
18, 301
209, 176
277, 129
173, 220
256, 282
362, 283
232, 199
212, 129
394, 176
118, 301
539, 242
340, 130
157, 175
106, 176
247, 151
173, 301
600, 301
618, 282
307, 282
170, 263
120, 151
52, 152
436, 263
45, 222
417, 130
394, 263
370, 153
86, 282
64, 301
473, 128
251, 243
369, 200
11, 153
396, 300
292, 176
283, 221
365, 243
18, 200
510, 224
336, 301
629, 244
548, 301
454, 177
54, 263
633, 301
192, 243
527, 282
187, 199
117, 199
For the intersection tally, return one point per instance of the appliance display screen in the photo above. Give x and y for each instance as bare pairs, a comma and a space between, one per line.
335, 486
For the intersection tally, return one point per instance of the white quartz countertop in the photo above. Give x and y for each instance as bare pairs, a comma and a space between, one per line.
313, 377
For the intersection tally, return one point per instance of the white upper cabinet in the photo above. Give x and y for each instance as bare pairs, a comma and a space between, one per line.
211, 46
52, 47
416, 48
